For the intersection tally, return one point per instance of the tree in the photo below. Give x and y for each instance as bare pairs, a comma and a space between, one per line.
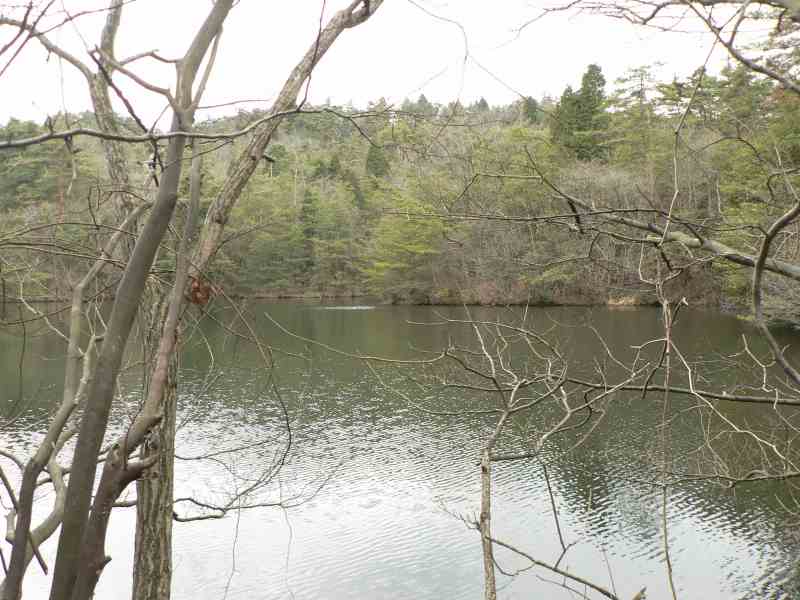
80, 556
579, 118
695, 219
591, 95
531, 110
377, 164
566, 120
482, 105
590, 110
308, 224
696, 189
639, 139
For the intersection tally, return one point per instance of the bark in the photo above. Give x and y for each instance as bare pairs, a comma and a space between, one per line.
152, 565
485, 527
485, 519
80, 556
152, 570
116, 161
101, 393
117, 474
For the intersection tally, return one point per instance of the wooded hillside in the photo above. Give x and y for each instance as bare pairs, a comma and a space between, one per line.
446, 204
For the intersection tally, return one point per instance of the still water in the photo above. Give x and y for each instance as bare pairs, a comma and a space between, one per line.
374, 495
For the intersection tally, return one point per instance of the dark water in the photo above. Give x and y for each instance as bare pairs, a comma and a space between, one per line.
375, 492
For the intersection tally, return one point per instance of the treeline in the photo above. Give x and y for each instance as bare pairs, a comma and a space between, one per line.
446, 203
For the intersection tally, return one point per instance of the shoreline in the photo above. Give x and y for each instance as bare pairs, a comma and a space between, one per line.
621, 303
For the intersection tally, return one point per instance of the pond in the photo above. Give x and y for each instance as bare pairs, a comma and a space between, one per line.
375, 496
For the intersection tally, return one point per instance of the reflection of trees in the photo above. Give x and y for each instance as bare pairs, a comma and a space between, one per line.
338, 409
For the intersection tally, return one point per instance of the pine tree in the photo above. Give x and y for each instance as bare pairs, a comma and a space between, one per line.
377, 164
564, 122
591, 97
580, 119
424, 107
591, 119
531, 110
308, 222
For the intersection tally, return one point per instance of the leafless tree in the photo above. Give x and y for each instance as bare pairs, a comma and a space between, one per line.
504, 372
92, 372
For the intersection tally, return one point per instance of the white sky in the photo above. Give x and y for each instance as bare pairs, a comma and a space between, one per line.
400, 52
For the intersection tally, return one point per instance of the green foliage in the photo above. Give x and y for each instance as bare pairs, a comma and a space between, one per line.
639, 139
308, 226
531, 110
481, 105
31, 175
579, 119
280, 159
403, 247
435, 209
377, 164
565, 120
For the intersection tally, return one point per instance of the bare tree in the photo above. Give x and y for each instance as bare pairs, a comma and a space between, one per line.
80, 555
514, 374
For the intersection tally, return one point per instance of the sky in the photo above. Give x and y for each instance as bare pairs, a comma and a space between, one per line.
405, 50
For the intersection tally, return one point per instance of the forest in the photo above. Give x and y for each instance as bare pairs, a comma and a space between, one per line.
190, 339
444, 204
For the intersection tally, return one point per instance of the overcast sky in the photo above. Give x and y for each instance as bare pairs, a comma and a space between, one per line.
401, 52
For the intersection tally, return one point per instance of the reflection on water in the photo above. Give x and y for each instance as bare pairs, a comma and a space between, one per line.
382, 487
354, 307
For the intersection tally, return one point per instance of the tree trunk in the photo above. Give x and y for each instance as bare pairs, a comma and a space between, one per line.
152, 564
102, 388
485, 524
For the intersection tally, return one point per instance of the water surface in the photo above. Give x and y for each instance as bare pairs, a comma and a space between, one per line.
376, 493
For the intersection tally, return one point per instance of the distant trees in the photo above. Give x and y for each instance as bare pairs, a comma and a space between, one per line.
415, 166
531, 109
422, 107
377, 164
44, 173
579, 119
481, 105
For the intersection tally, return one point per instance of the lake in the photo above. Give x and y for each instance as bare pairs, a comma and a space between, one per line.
376, 492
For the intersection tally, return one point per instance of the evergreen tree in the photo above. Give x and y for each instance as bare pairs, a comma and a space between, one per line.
531, 110
377, 163
425, 107
743, 96
565, 120
580, 119
335, 166
591, 97
350, 178
308, 222
280, 157
591, 117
